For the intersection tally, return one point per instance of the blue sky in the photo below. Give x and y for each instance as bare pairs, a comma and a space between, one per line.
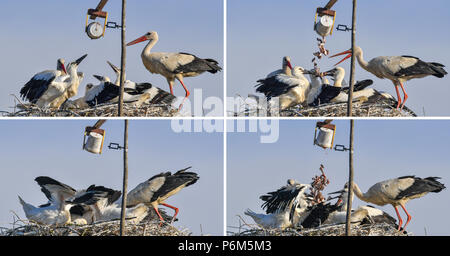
383, 150
259, 35
47, 30
53, 148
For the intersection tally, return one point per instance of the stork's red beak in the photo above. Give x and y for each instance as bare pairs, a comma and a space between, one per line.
349, 52
289, 65
140, 39
63, 68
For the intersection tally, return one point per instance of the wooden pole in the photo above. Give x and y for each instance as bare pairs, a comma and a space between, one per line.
125, 179
350, 182
122, 61
352, 68
349, 113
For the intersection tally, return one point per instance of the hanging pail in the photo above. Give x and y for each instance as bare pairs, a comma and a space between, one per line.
324, 26
94, 143
325, 138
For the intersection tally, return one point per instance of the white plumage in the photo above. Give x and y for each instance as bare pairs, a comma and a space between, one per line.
173, 65
50, 89
290, 90
398, 191
398, 69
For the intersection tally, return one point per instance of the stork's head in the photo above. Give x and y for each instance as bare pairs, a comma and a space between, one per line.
102, 78
287, 62
116, 69
337, 73
298, 71
342, 196
357, 51
60, 65
152, 35
89, 86
74, 65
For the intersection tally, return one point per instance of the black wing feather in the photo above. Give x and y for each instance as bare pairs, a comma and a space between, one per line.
109, 92
360, 85
44, 180
420, 186
35, 88
198, 65
279, 200
318, 214
174, 181
272, 87
327, 93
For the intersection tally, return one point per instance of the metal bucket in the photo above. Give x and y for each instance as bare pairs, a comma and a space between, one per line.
324, 26
94, 143
325, 138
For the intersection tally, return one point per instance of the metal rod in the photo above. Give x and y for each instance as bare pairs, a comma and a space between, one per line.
125, 180
352, 68
350, 182
122, 61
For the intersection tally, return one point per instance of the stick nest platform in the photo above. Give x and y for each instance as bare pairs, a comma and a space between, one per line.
379, 229
104, 110
149, 226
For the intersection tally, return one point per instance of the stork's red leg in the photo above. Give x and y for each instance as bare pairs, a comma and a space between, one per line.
399, 100
405, 95
187, 92
161, 218
409, 216
171, 87
400, 221
173, 207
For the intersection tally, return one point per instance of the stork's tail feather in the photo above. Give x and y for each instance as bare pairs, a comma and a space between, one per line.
438, 186
190, 177
438, 68
214, 65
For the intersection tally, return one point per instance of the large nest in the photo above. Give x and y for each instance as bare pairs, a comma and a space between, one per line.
359, 109
379, 229
149, 226
104, 110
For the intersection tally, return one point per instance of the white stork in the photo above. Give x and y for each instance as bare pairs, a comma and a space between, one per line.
290, 90
398, 69
360, 91
398, 191
156, 190
362, 215
61, 199
173, 65
284, 208
286, 68
51, 89
38, 84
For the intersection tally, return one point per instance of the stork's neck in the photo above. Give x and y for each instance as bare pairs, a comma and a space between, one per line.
360, 194
149, 46
287, 70
359, 57
338, 81
344, 199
